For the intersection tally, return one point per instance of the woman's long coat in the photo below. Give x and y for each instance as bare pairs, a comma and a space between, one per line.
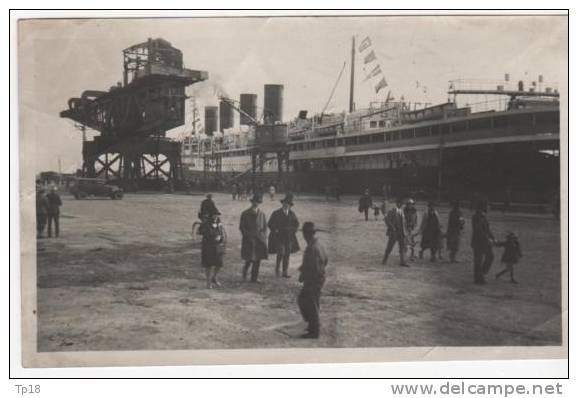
431, 230
283, 229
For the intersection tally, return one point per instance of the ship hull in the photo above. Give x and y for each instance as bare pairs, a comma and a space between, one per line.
505, 156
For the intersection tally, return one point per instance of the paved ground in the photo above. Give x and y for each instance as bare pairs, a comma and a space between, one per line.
126, 275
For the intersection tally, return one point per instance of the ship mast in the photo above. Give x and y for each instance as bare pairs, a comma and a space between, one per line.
351, 84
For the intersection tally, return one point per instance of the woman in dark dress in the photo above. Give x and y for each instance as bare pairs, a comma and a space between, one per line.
212, 248
431, 232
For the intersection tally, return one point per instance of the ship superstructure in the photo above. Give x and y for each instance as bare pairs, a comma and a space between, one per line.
505, 146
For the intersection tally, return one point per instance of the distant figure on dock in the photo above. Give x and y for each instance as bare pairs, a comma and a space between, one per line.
313, 277
396, 232
283, 225
431, 232
376, 210
456, 224
212, 248
53, 213
482, 241
410, 214
512, 253
208, 207
365, 203
253, 226
41, 211
235, 190
272, 192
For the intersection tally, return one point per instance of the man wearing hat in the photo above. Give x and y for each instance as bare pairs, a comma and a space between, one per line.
282, 240
396, 232
253, 226
313, 277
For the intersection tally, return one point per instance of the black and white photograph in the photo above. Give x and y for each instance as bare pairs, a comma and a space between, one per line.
304, 184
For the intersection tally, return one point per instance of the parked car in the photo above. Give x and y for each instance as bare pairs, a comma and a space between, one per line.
83, 187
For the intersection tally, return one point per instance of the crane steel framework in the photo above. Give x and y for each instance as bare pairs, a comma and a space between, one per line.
134, 116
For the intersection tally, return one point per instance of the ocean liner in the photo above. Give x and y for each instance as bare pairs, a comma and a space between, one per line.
508, 150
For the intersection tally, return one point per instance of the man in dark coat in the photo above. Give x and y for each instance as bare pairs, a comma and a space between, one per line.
208, 208
482, 240
41, 211
396, 232
53, 212
365, 203
313, 277
253, 226
283, 225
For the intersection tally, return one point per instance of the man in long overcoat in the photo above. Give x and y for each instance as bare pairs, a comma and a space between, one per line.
253, 226
283, 225
313, 277
482, 241
396, 232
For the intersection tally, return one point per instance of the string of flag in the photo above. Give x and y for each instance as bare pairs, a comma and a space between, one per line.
369, 57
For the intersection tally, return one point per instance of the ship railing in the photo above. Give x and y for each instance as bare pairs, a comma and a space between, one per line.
537, 84
497, 105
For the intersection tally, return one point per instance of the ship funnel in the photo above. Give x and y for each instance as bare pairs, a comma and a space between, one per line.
248, 104
211, 120
226, 116
273, 103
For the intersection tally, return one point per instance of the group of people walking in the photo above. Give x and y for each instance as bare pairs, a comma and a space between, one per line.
402, 230
261, 237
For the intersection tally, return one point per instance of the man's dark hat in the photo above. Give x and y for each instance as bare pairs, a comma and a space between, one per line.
257, 198
288, 199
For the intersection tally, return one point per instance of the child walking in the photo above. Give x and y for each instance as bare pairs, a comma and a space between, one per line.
512, 253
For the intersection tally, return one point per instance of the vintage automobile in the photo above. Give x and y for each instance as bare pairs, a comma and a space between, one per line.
84, 187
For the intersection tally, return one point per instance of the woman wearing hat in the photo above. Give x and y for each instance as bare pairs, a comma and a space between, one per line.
212, 247
253, 226
282, 240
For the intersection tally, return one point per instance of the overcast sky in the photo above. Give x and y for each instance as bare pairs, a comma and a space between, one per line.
61, 58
